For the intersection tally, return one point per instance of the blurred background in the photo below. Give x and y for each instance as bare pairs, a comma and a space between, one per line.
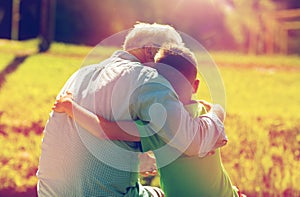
258, 26
254, 43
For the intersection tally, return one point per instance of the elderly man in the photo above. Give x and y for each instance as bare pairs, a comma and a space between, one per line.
75, 163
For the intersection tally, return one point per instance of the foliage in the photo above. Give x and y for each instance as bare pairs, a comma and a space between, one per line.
216, 24
242, 25
256, 61
246, 20
262, 121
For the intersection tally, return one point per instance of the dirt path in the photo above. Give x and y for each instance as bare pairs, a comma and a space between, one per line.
11, 67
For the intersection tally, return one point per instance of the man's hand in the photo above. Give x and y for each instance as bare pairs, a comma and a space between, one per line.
206, 104
218, 110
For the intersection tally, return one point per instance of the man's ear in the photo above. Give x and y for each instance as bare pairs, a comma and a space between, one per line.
150, 53
196, 85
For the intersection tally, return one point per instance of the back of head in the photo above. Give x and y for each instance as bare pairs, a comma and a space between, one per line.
145, 34
179, 58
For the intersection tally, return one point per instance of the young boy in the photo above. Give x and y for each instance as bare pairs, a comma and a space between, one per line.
184, 176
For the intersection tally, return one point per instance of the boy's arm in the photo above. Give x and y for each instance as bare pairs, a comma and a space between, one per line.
117, 130
96, 125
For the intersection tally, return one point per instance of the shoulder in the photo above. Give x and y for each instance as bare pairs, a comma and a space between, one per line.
150, 76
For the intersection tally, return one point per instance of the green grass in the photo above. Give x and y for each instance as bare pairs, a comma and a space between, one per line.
29, 91
262, 104
15, 47
5, 59
262, 93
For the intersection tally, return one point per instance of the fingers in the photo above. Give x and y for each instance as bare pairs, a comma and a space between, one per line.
152, 172
206, 104
211, 153
148, 165
69, 93
64, 97
58, 105
55, 107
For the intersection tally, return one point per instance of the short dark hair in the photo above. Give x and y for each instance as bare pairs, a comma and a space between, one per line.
180, 58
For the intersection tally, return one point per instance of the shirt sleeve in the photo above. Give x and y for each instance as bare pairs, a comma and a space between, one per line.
158, 104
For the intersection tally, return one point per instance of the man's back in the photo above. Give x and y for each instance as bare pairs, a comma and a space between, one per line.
75, 163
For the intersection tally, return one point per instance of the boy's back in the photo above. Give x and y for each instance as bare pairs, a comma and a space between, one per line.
189, 176
185, 176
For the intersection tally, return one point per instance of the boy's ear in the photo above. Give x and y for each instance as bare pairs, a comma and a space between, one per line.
196, 85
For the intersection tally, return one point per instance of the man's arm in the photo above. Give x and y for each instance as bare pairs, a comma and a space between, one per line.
158, 104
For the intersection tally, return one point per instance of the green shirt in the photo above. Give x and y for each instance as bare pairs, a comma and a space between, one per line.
188, 176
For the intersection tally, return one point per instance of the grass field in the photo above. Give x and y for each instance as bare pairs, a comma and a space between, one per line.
262, 123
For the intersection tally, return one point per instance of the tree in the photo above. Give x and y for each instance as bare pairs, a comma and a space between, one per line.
249, 22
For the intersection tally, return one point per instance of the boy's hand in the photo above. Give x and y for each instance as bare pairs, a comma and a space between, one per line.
219, 111
64, 103
147, 164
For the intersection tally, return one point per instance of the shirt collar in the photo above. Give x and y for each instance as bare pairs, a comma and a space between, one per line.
125, 55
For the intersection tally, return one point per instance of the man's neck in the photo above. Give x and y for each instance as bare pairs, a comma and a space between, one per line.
139, 54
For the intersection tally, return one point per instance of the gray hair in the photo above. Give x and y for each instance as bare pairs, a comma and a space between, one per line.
145, 34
